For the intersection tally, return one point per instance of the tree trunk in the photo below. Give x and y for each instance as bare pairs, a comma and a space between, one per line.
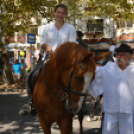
7, 66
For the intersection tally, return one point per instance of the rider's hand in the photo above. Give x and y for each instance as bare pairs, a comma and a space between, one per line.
48, 49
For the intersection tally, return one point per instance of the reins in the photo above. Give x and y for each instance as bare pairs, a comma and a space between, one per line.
67, 89
59, 97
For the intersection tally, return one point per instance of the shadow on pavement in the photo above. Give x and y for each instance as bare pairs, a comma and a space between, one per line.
13, 123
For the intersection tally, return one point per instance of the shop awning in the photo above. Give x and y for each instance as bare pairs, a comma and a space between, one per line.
18, 46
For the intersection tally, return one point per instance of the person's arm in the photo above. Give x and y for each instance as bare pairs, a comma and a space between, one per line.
72, 34
43, 41
47, 48
96, 86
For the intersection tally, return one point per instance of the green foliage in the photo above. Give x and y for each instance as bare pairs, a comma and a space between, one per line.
108, 8
15, 15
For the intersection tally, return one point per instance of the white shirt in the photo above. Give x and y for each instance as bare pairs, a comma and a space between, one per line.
117, 87
54, 37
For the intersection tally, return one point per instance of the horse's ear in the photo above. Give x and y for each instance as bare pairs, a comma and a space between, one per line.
87, 57
98, 58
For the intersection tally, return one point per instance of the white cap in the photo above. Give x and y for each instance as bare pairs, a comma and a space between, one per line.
112, 48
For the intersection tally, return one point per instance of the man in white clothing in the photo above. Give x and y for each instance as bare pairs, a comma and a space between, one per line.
115, 81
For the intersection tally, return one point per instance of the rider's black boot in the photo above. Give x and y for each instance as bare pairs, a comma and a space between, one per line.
33, 112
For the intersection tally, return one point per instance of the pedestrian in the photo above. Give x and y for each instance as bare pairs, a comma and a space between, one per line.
16, 69
54, 34
79, 39
115, 81
23, 71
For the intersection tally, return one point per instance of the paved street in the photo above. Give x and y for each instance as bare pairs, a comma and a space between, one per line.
12, 123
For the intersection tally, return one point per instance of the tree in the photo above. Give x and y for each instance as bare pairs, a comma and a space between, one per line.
6, 23
15, 16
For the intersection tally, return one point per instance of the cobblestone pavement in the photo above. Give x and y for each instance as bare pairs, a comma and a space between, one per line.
12, 123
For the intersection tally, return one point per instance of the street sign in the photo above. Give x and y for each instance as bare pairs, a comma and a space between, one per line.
31, 38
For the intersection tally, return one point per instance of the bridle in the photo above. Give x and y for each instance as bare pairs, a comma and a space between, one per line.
68, 89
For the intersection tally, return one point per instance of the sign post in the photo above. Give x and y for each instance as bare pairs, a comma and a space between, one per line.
31, 39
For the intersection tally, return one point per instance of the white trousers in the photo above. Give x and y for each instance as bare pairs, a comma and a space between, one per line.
118, 123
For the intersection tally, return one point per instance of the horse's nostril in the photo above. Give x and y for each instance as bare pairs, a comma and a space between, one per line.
71, 110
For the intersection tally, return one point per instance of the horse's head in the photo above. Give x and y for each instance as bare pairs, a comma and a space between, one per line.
76, 69
79, 76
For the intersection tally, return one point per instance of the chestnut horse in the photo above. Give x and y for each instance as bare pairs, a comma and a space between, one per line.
62, 85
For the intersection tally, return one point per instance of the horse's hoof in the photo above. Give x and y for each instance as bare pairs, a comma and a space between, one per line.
89, 119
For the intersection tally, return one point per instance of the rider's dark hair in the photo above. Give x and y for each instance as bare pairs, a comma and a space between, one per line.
62, 6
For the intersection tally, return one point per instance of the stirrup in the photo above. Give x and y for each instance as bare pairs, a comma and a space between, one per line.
33, 112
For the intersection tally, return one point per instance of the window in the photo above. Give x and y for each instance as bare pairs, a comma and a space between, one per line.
124, 23
129, 23
95, 25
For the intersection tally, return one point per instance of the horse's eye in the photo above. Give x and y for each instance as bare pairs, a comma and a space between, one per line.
79, 79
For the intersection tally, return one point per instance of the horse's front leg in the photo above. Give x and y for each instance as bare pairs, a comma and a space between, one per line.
45, 125
80, 117
65, 125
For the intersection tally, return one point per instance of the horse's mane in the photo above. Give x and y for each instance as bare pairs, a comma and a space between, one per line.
66, 55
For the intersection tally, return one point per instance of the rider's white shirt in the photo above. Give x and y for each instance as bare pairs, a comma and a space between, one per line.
117, 87
54, 37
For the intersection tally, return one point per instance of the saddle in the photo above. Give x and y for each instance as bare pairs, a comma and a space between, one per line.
33, 75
